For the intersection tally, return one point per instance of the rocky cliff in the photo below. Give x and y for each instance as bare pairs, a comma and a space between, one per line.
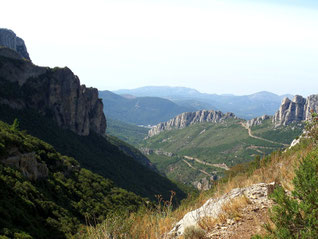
257, 120
295, 110
185, 119
9, 39
56, 93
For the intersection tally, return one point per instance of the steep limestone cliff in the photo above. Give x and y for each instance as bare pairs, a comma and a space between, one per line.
295, 110
9, 39
188, 118
56, 93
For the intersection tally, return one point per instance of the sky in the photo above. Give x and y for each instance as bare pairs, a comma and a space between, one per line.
215, 46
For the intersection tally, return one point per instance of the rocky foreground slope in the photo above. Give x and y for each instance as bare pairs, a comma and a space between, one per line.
255, 195
188, 118
53, 92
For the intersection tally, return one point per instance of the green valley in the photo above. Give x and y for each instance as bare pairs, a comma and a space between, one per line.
200, 150
129, 133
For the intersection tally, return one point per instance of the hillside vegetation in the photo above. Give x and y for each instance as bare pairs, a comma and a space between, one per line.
129, 133
215, 143
95, 153
60, 202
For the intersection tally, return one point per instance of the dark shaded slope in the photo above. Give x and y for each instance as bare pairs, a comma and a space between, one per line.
47, 195
94, 153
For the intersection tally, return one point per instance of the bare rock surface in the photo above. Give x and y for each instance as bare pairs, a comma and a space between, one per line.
256, 194
257, 121
188, 118
56, 93
295, 110
10, 40
28, 165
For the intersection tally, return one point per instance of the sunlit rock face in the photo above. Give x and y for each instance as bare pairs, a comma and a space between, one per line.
295, 110
188, 118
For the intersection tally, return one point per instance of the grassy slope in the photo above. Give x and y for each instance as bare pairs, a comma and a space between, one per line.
96, 154
56, 206
282, 134
129, 133
214, 143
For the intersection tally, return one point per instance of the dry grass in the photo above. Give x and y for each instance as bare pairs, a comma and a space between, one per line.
230, 210
154, 224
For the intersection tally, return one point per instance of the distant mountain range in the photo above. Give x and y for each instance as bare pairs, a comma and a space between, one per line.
140, 110
246, 106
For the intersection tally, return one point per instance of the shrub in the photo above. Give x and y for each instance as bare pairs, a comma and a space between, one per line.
296, 215
194, 233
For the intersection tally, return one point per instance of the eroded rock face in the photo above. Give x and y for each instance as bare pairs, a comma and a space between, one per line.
295, 110
28, 165
9, 39
185, 119
56, 93
257, 121
256, 194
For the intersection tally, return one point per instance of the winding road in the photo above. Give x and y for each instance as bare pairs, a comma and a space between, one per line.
217, 165
202, 171
256, 137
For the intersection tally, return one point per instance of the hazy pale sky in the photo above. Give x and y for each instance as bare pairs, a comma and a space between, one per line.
214, 46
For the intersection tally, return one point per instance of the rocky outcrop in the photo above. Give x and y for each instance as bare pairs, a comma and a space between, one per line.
256, 194
55, 93
257, 121
148, 151
185, 119
9, 39
28, 165
205, 183
295, 110
311, 105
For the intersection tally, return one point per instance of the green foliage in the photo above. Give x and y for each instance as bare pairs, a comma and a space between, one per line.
282, 134
15, 125
226, 142
56, 206
296, 216
311, 127
96, 154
